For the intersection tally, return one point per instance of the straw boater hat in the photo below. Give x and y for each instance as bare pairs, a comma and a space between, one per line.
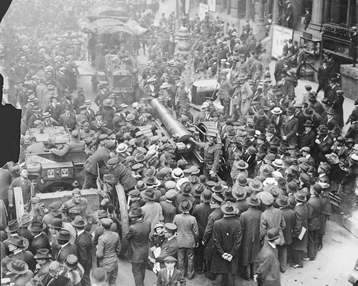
276, 110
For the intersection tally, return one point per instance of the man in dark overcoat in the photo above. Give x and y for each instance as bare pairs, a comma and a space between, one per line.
227, 236
308, 137
289, 216
314, 208
289, 127
267, 264
138, 244
208, 241
300, 235
251, 244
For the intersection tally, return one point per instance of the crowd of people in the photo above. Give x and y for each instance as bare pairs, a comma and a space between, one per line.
283, 158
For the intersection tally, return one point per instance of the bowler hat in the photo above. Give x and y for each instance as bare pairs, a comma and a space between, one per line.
79, 221
273, 234
229, 208
206, 196
43, 253
242, 180
185, 206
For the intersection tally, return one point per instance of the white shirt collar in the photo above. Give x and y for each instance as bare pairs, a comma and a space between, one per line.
273, 246
80, 232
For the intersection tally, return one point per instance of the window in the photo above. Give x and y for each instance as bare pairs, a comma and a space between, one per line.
341, 12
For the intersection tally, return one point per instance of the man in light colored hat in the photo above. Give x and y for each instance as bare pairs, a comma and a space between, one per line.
108, 249
98, 277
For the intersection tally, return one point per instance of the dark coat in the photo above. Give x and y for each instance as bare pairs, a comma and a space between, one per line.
38, 242
337, 106
325, 147
278, 125
208, 233
251, 244
201, 212
227, 236
169, 211
24, 232
289, 216
176, 279
332, 93
61, 254
69, 122
271, 218
290, 129
308, 139
84, 246
138, 241
314, 208
268, 267
301, 221
100, 157
54, 111
168, 248
123, 175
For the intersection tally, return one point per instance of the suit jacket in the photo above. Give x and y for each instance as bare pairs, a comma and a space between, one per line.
251, 244
301, 221
314, 208
308, 139
168, 248
54, 111
61, 254
290, 129
84, 246
138, 241
38, 242
227, 236
188, 232
201, 212
69, 122
169, 211
268, 266
332, 93
290, 220
108, 248
176, 279
100, 157
271, 218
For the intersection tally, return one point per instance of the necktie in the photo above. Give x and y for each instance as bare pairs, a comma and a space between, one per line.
170, 275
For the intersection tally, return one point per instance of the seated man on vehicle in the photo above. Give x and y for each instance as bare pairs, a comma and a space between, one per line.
74, 145
76, 205
123, 54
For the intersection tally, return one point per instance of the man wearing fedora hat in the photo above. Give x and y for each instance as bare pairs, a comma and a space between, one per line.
40, 239
152, 210
108, 249
308, 136
289, 127
63, 247
168, 208
324, 143
138, 244
251, 244
289, 216
300, 233
23, 231
208, 241
74, 270
17, 246
267, 265
43, 260
84, 246
201, 212
188, 234
20, 273
227, 236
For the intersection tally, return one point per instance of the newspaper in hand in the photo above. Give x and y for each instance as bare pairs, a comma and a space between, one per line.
303, 231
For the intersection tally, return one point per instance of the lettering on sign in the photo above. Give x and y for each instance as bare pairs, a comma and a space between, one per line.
51, 173
64, 172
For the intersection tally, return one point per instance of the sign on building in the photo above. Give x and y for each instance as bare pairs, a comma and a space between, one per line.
279, 35
212, 5
203, 8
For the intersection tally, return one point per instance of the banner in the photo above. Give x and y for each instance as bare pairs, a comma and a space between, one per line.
212, 5
279, 35
203, 8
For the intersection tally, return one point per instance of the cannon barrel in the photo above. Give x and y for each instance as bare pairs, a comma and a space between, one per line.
173, 126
